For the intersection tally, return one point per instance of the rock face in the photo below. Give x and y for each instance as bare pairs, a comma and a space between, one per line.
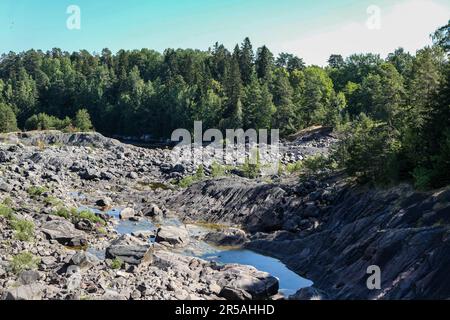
331, 232
172, 236
64, 232
130, 250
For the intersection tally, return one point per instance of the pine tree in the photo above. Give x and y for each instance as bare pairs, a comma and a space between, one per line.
264, 63
8, 121
246, 61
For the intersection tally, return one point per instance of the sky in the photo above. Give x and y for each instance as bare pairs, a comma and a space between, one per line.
311, 29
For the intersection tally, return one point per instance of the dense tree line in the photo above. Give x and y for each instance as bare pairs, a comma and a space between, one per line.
394, 111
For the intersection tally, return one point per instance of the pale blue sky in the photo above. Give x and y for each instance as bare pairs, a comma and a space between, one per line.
312, 29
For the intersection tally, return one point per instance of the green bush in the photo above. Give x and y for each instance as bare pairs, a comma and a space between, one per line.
24, 261
63, 212
24, 229
43, 121
294, 167
116, 264
252, 170
88, 215
35, 192
82, 120
217, 170
6, 212
187, 181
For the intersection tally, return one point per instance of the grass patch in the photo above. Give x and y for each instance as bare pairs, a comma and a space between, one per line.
24, 229
190, 180
116, 264
218, 170
89, 215
6, 212
36, 192
24, 261
74, 215
52, 201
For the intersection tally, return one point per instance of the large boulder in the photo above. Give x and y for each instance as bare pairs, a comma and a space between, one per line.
245, 282
127, 213
227, 237
64, 232
130, 250
309, 293
172, 236
25, 292
84, 260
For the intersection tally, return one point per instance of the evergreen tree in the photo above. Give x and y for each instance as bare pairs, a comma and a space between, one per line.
82, 120
8, 121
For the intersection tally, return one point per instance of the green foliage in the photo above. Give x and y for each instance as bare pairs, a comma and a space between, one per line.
43, 121
24, 229
63, 212
24, 261
252, 166
8, 122
83, 120
88, 215
368, 150
294, 167
6, 212
187, 181
36, 191
217, 170
116, 264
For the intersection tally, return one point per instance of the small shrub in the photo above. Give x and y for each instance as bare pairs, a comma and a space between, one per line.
186, 181
89, 215
116, 264
24, 229
200, 173
52, 201
35, 192
6, 212
217, 170
63, 212
294, 167
24, 261
7, 202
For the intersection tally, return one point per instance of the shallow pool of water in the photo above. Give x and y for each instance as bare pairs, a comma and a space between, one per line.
290, 282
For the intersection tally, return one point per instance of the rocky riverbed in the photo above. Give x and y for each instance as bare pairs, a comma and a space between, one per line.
87, 217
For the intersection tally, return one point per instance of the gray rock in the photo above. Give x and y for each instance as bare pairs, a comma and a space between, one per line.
309, 293
130, 250
153, 210
234, 294
28, 277
64, 232
127, 213
25, 292
173, 236
84, 260
4, 186
227, 237
258, 284
104, 202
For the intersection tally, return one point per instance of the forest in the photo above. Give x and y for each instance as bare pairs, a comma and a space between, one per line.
393, 113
